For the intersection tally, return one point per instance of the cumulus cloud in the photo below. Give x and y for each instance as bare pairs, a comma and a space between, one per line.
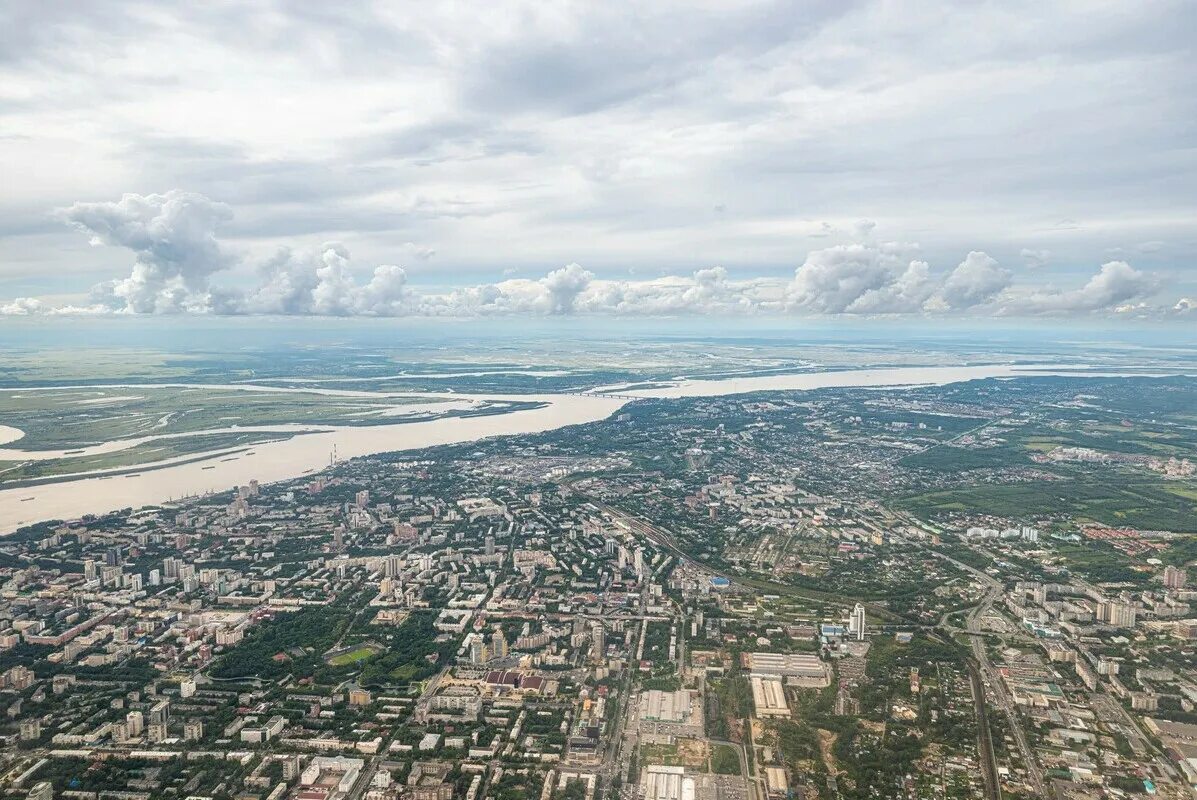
564, 285
22, 307
832, 279
907, 293
863, 228
706, 291
177, 252
173, 239
321, 282
977, 279
1115, 286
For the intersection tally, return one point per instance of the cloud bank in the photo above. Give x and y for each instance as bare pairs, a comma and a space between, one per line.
178, 254
670, 135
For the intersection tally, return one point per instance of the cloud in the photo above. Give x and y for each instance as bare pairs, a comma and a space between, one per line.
178, 254
416, 251
907, 293
320, 282
862, 229
22, 307
1115, 285
1035, 259
832, 279
564, 285
173, 239
976, 280
533, 133
707, 291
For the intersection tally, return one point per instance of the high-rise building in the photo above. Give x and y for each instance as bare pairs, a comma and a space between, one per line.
490, 545
156, 732
598, 642
292, 767
1116, 613
30, 729
478, 652
193, 730
856, 623
160, 713
134, 724
1174, 577
111, 576
498, 645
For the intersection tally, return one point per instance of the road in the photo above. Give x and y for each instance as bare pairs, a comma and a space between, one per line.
985, 673
990, 675
665, 540
993, 786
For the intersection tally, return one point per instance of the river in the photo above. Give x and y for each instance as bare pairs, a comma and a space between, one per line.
310, 449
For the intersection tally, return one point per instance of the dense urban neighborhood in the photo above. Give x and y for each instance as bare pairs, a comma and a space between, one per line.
835, 594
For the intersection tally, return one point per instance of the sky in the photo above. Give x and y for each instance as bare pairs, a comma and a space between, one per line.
920, 159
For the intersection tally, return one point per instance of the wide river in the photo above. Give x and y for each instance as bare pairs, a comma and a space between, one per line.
309, 450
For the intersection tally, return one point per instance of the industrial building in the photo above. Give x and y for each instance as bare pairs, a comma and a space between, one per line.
659, 706
799, 669
769, 697
666, 783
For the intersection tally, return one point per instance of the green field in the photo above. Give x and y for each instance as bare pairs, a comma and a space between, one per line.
72, 418
665, 754
17, 473
353, 656
725, 760
1146, 505
170, 422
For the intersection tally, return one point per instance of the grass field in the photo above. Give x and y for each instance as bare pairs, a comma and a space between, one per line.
94, 364
212, 418
725, 760
665, 754
68, 418
353, 656
1146, 505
